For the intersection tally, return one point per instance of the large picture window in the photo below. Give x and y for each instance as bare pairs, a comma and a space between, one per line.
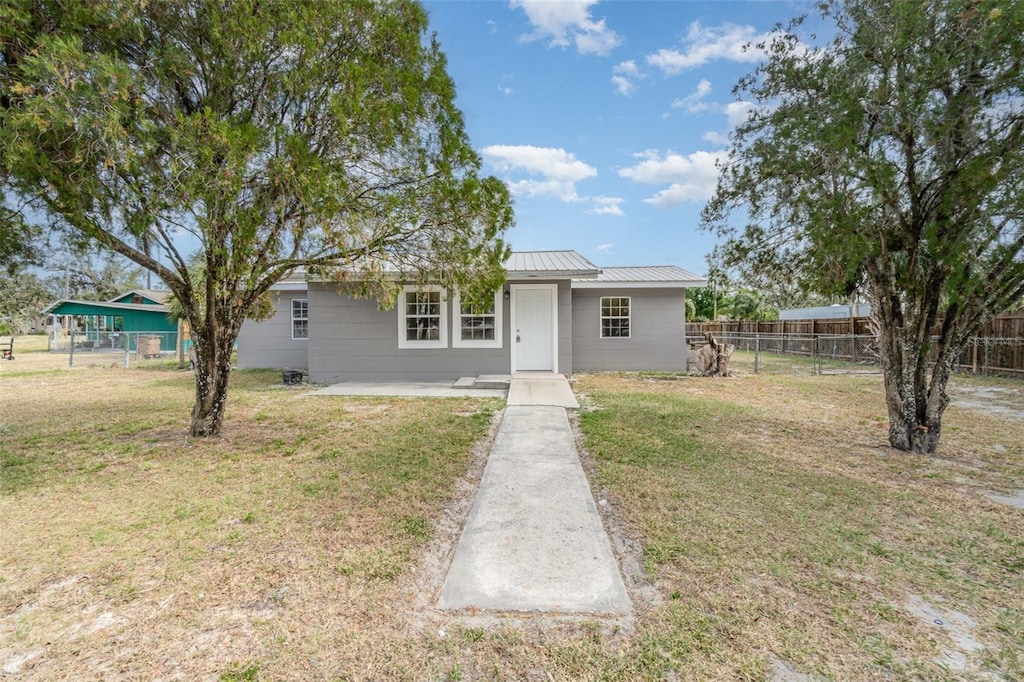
614, 317
422, 317
477, 326
300, 318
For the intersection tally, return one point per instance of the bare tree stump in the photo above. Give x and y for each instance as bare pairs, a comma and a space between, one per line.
713, 358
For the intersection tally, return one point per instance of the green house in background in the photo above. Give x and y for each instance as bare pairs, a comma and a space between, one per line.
117, 324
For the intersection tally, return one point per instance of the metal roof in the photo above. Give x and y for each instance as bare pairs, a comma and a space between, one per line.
158, 295
657, 276
549, 264
104, 305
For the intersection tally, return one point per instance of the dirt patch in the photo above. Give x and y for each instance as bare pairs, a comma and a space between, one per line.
1004, 401
1014, 499
959, 628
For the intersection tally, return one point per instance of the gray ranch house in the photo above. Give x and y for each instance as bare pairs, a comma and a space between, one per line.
557, 312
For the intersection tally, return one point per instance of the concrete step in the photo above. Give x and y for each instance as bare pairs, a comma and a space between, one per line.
499, 381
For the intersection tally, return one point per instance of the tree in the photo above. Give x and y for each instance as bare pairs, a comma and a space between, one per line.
22, 296
270, 136
19, 240
891, 157
745, 304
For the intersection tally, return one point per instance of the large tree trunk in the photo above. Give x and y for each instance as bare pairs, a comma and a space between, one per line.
213, 369
916, 364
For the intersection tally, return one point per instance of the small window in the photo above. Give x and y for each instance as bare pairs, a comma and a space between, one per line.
422, 318
614, 317
477, 326
300, 318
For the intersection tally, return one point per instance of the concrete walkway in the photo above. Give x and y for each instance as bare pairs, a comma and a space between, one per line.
534, 540
541, 388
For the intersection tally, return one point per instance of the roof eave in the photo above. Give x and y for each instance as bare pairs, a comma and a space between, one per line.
551, 274
633, 284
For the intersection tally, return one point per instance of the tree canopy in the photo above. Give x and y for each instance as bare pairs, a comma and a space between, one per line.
265, 136
891, 159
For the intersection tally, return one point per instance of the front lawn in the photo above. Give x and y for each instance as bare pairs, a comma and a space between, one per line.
775, 533
784, 532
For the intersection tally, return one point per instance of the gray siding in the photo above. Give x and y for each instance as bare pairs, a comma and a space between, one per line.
269, 343
350, 339
565, 365
657, 328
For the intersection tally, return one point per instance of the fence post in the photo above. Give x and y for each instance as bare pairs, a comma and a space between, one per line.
986, 356
71, 355
757, 352
974, 355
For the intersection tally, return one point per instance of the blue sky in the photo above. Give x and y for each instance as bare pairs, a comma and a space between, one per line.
605, 118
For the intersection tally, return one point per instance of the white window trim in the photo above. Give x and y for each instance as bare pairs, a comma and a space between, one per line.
441, 342
601, 318
458, 341
291, 304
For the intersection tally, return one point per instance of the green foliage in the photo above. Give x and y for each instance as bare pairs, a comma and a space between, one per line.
279, 136
19, 241
704, 304
893, 157
22, 298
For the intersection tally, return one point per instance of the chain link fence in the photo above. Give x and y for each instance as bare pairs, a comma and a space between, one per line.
800, 353
140, 344
854, 354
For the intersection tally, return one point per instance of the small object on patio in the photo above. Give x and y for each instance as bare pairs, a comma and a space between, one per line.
7, 352
713, 358
291, 377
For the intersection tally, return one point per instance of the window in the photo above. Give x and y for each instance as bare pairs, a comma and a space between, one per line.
614, 317
300, 318
422, 317
477, 326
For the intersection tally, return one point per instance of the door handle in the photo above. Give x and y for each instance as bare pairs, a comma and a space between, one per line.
517, 336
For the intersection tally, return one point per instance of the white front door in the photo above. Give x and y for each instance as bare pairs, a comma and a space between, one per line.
534, 329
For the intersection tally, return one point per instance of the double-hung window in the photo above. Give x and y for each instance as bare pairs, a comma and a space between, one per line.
477, 325
614, 317
300, 318
422, 318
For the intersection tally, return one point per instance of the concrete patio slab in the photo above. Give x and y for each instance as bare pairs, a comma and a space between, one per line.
409, 389
534, 540
541, 389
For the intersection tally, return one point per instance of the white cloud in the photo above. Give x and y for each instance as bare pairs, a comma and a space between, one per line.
624, 85
505, 91
624, 77
715, 137
704, 44
689, 178
568, 22
694, 102
604, 248
737, 112
554, 171
606, 206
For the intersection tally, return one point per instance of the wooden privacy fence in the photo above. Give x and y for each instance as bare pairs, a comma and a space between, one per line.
854, 326
997, 349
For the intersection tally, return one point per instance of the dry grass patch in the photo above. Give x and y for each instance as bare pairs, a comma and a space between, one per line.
783, 527
775, 523
131, 551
